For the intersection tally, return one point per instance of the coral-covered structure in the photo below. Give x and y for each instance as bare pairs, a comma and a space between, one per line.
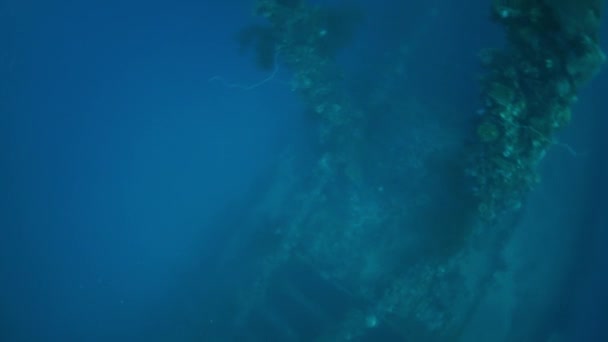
396, 236
552, 49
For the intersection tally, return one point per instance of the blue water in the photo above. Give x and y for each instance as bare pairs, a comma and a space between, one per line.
123, 142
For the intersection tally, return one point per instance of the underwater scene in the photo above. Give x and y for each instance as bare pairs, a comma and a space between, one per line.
303, 170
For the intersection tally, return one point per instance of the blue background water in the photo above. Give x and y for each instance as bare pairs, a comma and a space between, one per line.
117, 154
